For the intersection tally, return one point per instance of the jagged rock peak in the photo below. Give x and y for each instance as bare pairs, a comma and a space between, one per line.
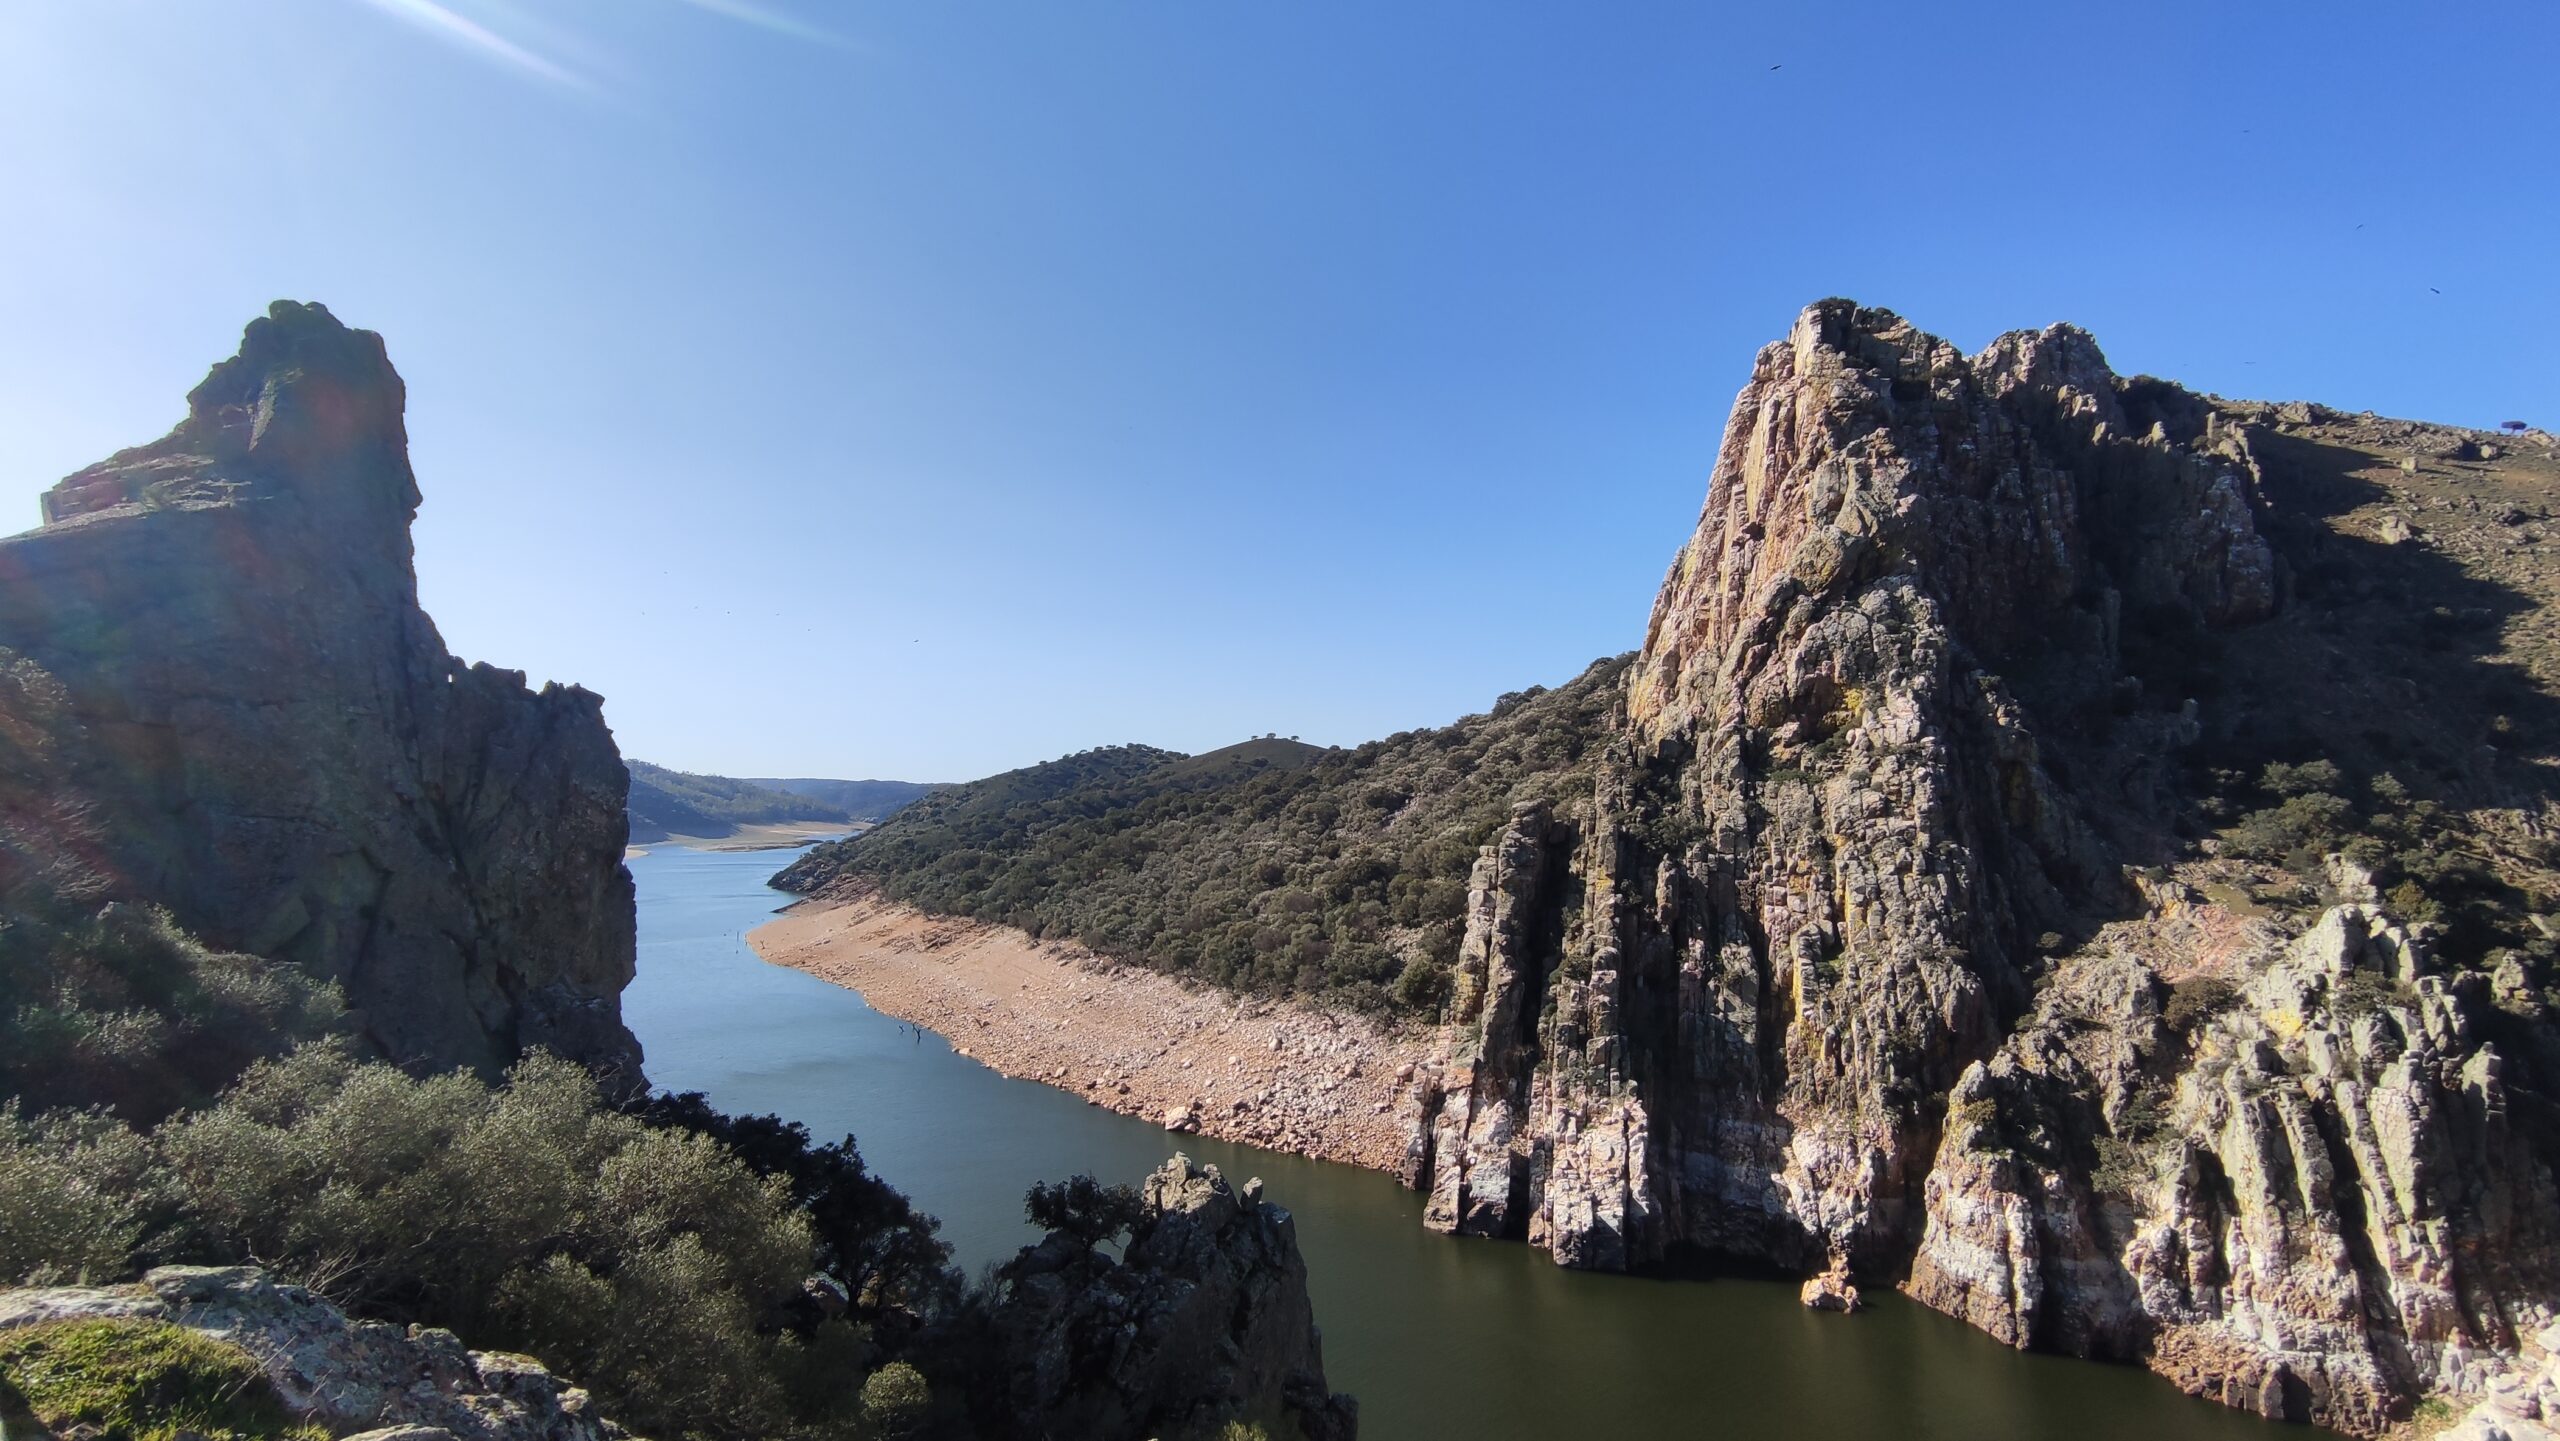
1863, 954
2007, 487
308, 408
247, 719
1205, 1315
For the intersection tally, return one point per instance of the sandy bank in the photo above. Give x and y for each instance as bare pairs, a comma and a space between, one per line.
1286, 1077
778, 836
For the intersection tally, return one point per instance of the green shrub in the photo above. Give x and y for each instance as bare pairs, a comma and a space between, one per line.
1421, 988
127, 1380
2361, 993
649, 1262
870, 1239
79, 1195
2121, 1166
895, 1402
2314, 777
2295, 832
2196, 1000
118, 1007
1084, 1208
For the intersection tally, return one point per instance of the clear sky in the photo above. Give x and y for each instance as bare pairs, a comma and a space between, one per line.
920, 389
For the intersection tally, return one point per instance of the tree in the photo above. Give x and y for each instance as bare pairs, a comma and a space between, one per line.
1085, 1208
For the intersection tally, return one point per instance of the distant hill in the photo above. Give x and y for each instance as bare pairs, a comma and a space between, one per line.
1265, 753
1061, 797
665, 802
861, 800
1270, 865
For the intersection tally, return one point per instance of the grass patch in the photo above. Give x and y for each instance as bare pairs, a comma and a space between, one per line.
129, 1380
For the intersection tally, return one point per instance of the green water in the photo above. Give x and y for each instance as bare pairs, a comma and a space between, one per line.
1438, 1337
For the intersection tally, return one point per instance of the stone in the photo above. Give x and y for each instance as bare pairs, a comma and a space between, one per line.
360, 1379
1206, 1318
2351, 880
255, 726
1806, 974
1831, 1290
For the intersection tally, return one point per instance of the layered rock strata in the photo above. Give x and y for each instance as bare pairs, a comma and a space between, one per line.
218, 694
1789, 984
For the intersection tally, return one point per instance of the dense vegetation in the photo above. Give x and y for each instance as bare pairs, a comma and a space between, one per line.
704, 1275
665, 802
118, 1007
644, 1254
861, 800
2424, 859
1270, 866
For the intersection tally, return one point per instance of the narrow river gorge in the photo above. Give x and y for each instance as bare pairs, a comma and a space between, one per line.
1437, 1337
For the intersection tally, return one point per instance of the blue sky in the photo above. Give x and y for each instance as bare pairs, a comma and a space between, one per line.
923, 389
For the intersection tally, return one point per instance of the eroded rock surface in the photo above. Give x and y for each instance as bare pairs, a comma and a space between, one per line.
1205, 1318
1846, 963
218, 694
412, 1383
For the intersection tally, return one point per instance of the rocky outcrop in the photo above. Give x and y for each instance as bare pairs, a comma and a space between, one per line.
1791, 984
218, 694
412, 1383
2523, 1405
2319, 1207
1204, 1319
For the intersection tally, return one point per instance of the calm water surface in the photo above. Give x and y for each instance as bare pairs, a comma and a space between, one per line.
1439, 1338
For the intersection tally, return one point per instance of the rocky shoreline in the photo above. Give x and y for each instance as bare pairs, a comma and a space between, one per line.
1284, 1077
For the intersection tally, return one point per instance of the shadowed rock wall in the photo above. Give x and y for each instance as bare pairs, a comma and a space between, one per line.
218, 694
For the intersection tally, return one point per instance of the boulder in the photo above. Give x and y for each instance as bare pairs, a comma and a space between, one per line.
364, 1379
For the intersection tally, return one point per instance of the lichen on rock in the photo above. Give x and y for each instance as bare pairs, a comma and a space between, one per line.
334, 1373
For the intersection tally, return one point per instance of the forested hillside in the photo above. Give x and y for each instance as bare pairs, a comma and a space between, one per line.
1269, 866
665, 802
859, 800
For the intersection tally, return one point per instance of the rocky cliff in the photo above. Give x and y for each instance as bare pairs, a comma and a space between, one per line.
1895, 939
218, 694
1204, 1317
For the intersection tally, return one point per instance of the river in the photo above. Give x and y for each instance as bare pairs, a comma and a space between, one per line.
1437, 1337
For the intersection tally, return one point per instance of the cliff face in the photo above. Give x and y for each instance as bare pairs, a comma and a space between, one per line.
221, 696
1205, 1316
1848, 961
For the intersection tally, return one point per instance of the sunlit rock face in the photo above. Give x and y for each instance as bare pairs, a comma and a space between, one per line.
221, 697
1787, 985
